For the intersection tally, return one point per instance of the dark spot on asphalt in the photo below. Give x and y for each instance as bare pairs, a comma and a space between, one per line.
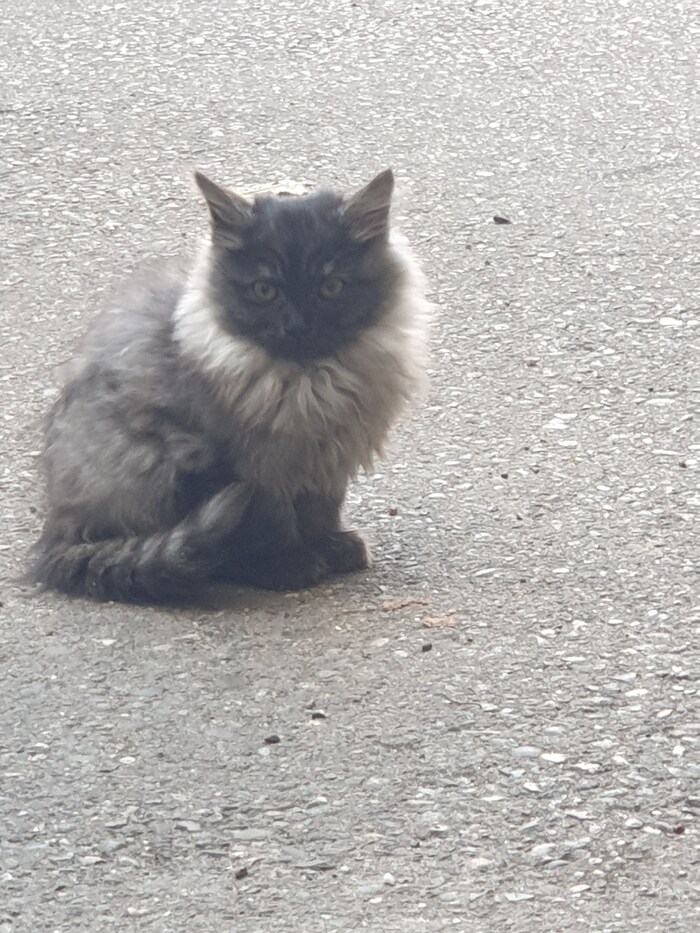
241, 873
426, 647
497, 219
318, 714
272, 739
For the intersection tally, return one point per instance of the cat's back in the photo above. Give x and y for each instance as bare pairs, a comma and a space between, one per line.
128, 362
138, 314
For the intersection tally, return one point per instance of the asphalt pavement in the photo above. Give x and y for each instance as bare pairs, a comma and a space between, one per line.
496, 728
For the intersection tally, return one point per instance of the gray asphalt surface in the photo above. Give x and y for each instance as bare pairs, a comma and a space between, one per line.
496, 728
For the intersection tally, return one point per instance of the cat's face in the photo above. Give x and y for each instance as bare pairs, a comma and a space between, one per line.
302, 277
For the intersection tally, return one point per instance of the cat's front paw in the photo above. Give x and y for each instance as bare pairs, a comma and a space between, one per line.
293, 571
345, 552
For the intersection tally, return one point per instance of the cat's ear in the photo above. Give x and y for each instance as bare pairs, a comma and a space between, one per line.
230, 212
366, 213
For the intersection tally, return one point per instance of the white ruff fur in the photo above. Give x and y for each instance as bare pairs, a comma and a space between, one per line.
310, 427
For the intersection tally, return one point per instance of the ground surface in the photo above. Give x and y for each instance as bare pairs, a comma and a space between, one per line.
494, 729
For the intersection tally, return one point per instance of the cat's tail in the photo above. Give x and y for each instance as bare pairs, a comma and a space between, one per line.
167, 567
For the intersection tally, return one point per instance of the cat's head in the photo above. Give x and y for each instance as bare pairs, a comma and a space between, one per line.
301, 276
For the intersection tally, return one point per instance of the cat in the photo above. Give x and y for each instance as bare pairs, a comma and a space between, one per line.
210, 427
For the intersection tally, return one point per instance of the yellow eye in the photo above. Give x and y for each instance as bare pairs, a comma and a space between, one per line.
331, 288
263, 291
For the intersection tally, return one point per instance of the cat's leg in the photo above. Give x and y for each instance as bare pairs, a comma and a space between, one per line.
283, 570
267, 550
343, 551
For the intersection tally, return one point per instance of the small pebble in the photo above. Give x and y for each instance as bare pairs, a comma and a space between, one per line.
572, 845
369, 890
479, 863
112, 845
64, 857
248, 835
272, 739
317, 802
426, 647
554, 757
579, 814
316, 865
126, 860
118, 823
526, 751
498, 219
541, 852
590, 767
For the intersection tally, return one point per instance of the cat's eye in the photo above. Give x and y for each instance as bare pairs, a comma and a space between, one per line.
331, 288
263, 291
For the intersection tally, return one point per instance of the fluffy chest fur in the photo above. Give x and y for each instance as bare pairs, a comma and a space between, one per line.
309, 427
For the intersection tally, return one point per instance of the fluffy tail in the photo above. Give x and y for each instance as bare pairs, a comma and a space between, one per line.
161, 568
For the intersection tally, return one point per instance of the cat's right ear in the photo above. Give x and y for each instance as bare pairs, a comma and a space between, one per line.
230, 212
366, 213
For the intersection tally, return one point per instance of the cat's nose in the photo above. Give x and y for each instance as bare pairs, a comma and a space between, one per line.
295, 326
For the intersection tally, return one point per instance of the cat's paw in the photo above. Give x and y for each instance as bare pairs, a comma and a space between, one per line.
297, 570
345, 552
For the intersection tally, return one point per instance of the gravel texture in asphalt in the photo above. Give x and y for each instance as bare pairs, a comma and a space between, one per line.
496, 728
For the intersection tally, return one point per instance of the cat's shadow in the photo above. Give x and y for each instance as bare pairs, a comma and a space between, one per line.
220, 596
227, 596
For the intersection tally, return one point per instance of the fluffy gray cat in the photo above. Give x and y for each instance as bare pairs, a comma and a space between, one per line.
219, 409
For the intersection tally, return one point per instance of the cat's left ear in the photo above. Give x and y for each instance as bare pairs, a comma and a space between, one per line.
230, 212
366, 212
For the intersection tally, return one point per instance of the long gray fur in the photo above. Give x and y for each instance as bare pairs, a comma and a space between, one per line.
181, 451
